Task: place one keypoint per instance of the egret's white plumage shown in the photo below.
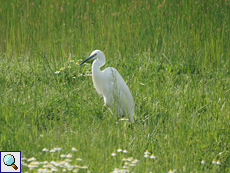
(112, 86)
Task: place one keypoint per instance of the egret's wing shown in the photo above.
(120, 92)
(120, 86)
(121, 83)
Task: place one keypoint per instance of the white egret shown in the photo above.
(112, 86)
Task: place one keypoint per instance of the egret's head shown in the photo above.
(95, 54)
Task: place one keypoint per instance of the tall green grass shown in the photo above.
(173, 55)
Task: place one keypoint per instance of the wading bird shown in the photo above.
(112, 86)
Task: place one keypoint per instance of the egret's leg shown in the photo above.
(119, 111)
(107, 101)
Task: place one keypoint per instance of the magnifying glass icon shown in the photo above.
(9, 160)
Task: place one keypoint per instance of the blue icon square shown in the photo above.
(10, 161)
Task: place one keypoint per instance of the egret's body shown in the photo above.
(112, 86)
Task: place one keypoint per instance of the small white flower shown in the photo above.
(49, 165)
(113, 154)
(146, 155)
(45, 149)
(78, 63)
(214, 161)
(79, 75)
(45, 166)
(69, 66)
(153, 156)
(135, 161)
(147, 152)
(119, 150)
(65, 163)
(116, 170)
(32, 166)
(202, 161)
(71, 60)
(52, 162)
(54, 170)
(124, 167)
(25, 164)
(56, 72)
(56, 164)
(58, 148)
(35, 163)
(45, 162)
(31, 159)
(126, 163)
(69, 155)
(129, 159)
(79, 159)
(124, 159)
(52, 151)
(218, 162)
(73, 148)
(40, 170)
(70, 167)
(63, 155)
(64, 170)
(172, 171)
(68, 160)
(125, 151)
(132, 164)
(84, 167)
(62, 68)
(75, 170)
(23, 158)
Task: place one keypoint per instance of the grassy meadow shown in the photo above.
(173, 55)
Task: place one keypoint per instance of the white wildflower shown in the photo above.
(73, 148)
(119, 150)
(202, 161)
(45, 149)
(153, 156)
(113, 154)
(214, 161)
(125, 151)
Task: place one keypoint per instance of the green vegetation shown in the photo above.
(174, 56)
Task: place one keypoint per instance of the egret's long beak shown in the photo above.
(89, 58)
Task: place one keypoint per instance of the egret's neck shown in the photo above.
(97, 65)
